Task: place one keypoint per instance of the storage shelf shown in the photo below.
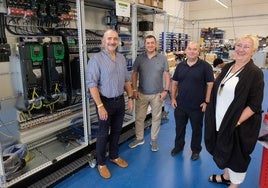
(45, 149)
(46, 155)
(144, 9)
(36, 133)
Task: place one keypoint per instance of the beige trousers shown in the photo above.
(141, 110)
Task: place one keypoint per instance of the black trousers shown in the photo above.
(196, 119)
(109, 130)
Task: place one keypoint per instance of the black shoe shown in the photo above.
(175, 151)
(263, 138)
(195, 156)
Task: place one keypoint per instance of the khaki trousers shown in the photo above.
(141, 110)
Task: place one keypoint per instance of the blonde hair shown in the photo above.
(254, 39)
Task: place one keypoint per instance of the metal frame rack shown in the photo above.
(146, 10)
(46, 153)
(41, 134)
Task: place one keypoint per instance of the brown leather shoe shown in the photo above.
(120, 162)
(104, 171)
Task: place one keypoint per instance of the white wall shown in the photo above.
(171, 21)
(242, 16)
(176, 11)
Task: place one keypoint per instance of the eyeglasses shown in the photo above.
(240, 45)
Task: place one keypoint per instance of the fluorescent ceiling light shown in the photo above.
(221, 3)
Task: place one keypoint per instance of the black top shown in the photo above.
(192, 83)
(231, 145)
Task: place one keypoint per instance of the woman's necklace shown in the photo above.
(226, 78)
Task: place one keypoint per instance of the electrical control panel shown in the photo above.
(54, 70)
(70, 39)
(32, 61)
(35, 17)
(125, 48)
(43, 75)
(44, 72)
(71, 59)
(45, 10)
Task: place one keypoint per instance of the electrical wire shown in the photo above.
(57, 90)
(34, 93)
(51, 105)
(232, 11)
(3, 32)
(1, 28)
(178, 17)
(94, 33)
(7, 23)
(4, 134)
(23, 117)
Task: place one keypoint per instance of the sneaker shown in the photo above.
(135, 143)
(154, 146)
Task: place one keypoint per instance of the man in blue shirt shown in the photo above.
(107, 78)
(151, 68)
(191, 87)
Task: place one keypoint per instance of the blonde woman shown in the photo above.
(233, 116)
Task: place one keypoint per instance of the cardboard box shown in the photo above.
(210, 57)
(144, 2)
(171, 58)
(172, 63)
(157, 3)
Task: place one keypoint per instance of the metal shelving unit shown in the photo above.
(45, 150)
(43, 144)
(146, 10)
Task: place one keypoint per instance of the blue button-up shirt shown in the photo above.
(106, 74)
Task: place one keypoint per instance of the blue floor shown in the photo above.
(149, 169)
(160, 169)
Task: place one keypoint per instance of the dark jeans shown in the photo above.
(116, 111)
(196, 119)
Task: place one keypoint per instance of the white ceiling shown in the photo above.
(207, 4)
